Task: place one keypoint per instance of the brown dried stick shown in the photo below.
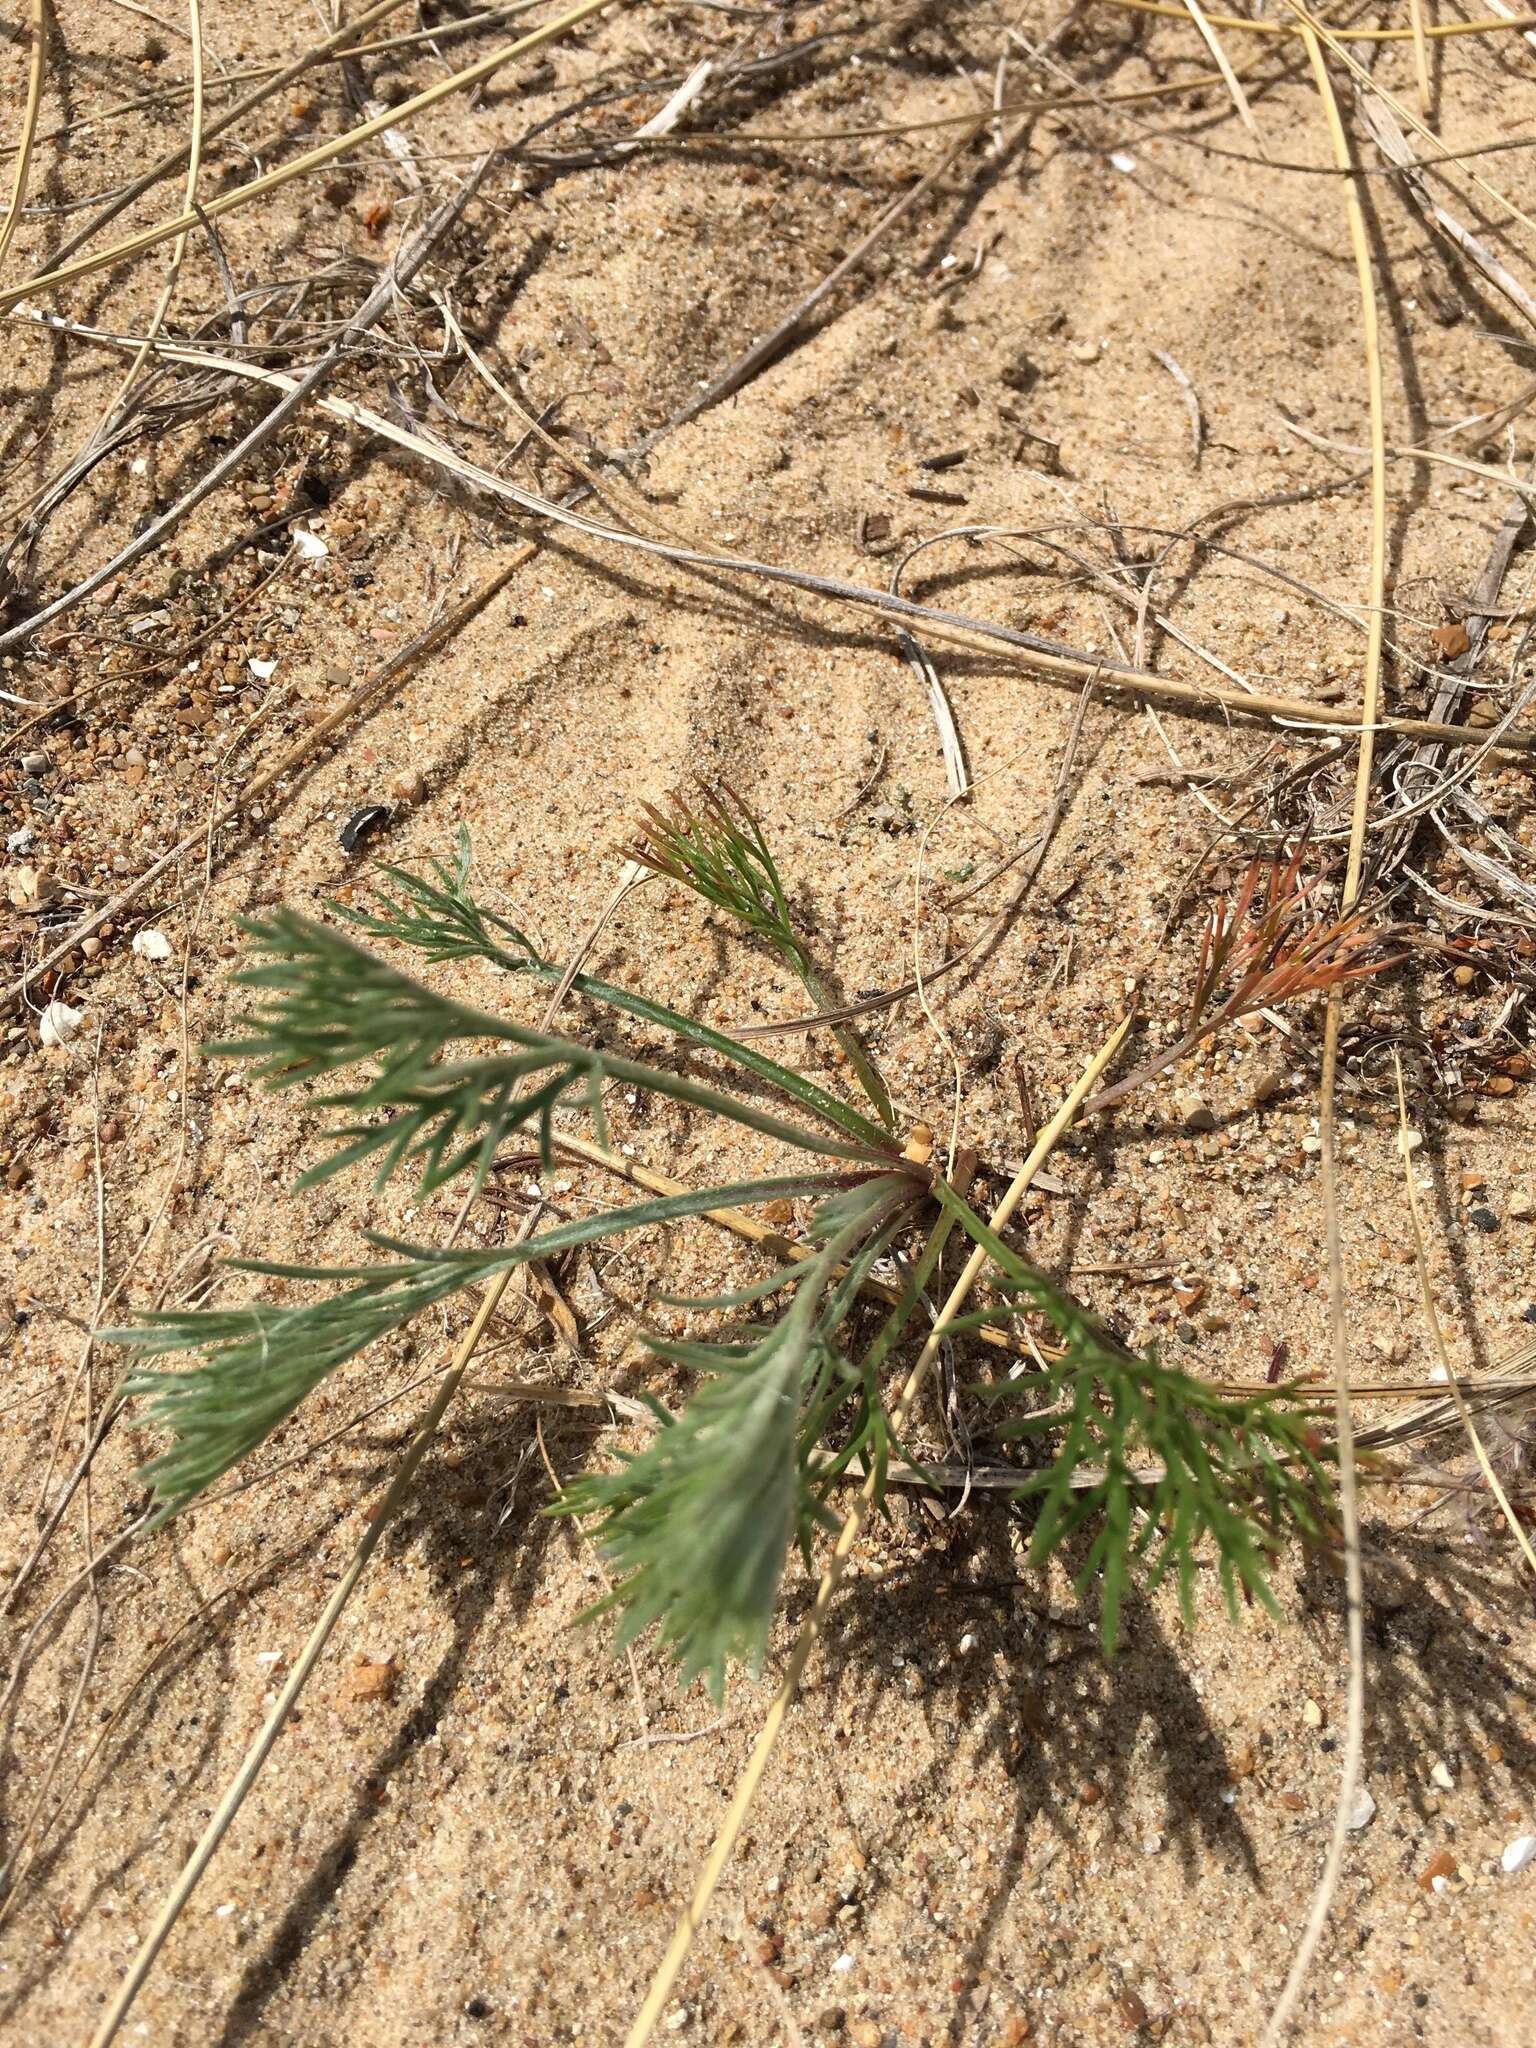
(1349, 1505)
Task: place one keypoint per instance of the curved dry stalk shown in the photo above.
(1349, 1500)
(23, 164)
(178, 247)
(270, 181)
(811, 1628)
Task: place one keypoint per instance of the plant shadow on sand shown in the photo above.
(1034, 1694)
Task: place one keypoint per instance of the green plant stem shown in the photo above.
(869, 1075)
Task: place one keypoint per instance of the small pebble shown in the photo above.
(35, 764)
(1522, 1205)
(677, 2019)
(1484, 1219)
(59, 1024)
(366, 819)
(1197, 1115)
(1440, 1774)
(1363, 1812)
(150, 944)
(1518, 1854)
(867, 2033)
(369, 1681)
(1435, 1872)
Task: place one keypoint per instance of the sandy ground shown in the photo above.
(974, 1830)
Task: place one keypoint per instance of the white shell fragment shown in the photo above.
(1517, 1854)
(309, 546)
(59, 1024)
(261, 670)
(150, 944)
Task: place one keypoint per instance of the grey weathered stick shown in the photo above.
(1048, 660)
(409, 260)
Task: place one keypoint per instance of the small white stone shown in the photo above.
(1123, 161)
(1152, 1845)
(1517, 1854)
(1312, 1713)
(261, 670)
(843, 1964)
(150, 944)
(1363, 1812)
(677, 2019)
(308, 546)
(1440, 1774)
(59, 1024)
